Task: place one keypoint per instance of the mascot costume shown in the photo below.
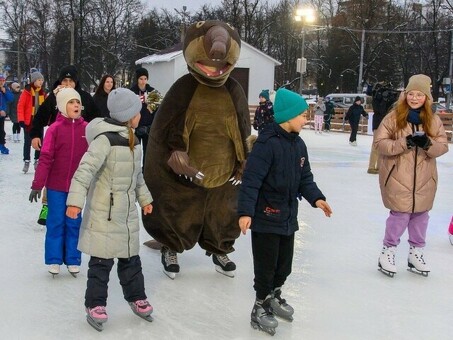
(196, 152)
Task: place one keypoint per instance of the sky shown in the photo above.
(335, 287)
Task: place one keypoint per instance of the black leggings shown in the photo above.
(354, 129)
(16, 128)
(129, 273)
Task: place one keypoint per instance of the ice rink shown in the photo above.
(335, 287)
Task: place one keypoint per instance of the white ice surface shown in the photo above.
(335, 287)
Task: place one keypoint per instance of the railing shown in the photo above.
(338, 123)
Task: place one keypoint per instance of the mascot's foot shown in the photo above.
(223, 264)
(153, 244)
(170, 262)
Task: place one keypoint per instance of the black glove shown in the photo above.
(422, 141)
(34, 195)
(410, 142)
(22, 125)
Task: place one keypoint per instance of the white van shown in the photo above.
(347, 99)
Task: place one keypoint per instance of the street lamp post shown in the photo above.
(304, 15)
(362, 49)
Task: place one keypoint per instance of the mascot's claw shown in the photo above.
(235, 181)
(198, 176)
(237, 177)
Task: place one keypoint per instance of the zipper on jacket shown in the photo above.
(415, 179)
(68, 177)
(390, 173)
(128, 206)
(110, 207)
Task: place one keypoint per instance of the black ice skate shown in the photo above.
(262, 317)
(280, 307)
(416, 262)
(223, 264)
(170, 261)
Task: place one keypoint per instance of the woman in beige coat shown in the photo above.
(409, 140)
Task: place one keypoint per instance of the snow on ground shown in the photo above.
(335, 287)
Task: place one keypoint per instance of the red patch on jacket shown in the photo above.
(271, 211)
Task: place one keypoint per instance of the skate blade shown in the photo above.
(386, 273)
(96, 325)
(223, 272)
(74, 274)
(414, 270)
(451, 239)
(171, 275)
(53, 275)
(268, 330)
(148, 318)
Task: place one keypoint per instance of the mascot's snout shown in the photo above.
(216, 42)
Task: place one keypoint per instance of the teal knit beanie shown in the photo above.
(264, 94)
(288, 105)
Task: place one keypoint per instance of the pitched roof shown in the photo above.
(173, 52)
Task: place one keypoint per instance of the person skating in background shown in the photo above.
(11, 111)
(63, 147)
(277, 174)
(383, 99)
(264, 113)
(353, 116)
(328, 114)
(409, 139)
(107, 183)
(6, 96)
(142, 89)
(106, 85)
(320, 109)
(47, 113)
(30, 100)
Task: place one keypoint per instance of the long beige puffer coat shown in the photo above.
(110, 178)
(408, 177)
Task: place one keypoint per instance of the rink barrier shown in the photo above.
(338, 124)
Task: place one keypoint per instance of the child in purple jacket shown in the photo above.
(63, 147)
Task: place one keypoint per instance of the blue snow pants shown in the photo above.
(62, 233)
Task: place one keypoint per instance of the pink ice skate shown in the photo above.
(142, 308)
(96, 316)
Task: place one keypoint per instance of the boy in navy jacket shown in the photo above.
(277, 174)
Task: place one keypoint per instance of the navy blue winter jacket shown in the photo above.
(277, 173)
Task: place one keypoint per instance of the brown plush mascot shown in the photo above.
(196, 151)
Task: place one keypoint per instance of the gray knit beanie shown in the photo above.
(35, 76)
(123, 104)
